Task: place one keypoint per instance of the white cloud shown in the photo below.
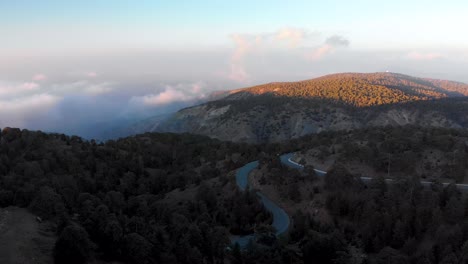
(424, 56)
(26, 103)
(15, 112)
(82, 87)
(172, 93)
(238, 73)
(39, 77)
(243, 44)
(337, 41)
(30, 86)
(250, 43)
(329, 47)
(168, 96)
(294, 36)
(96, 89)
(82, 74)
(320, 52)
(12, 90)
(21, 104)
(92, 74)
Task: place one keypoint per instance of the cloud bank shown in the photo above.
(179, 93)
(22, 102)
(19, 111)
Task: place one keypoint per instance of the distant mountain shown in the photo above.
(359, 89)
(284, 110)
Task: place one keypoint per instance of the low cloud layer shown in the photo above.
(21, 103)
(172, 94)
(82, 87)
(13, 90)
(18, 112)
(90, 106)
(180, 93)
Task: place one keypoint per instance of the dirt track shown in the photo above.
(23, 240)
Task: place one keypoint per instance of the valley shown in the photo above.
(121, 200)
(230, 195)
(233, 132)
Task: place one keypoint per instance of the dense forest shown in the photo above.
(429, 153)
(360, 90)
(107, 199)
(379, 222)
(341, 219)
(167, 198)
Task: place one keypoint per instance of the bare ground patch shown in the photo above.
(23, 240)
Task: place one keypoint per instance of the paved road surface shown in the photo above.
(287, 159)
(281, 220)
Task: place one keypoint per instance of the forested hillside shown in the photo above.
(359, 89)
(108, 200)
(282, 111)
(167, 198)
(345, 221)
(429, 153)
(341, 219)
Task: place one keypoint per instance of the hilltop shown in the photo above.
(284, 110)
(359, 89)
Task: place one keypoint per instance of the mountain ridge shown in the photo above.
(283, 110)
(383, 87)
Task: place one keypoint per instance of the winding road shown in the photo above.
(287, 159)
(281, 219)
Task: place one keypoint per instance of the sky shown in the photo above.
(70, 66)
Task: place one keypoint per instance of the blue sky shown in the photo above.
(128, 60)
(148, 24)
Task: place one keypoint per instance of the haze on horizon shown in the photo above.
(67, 66)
